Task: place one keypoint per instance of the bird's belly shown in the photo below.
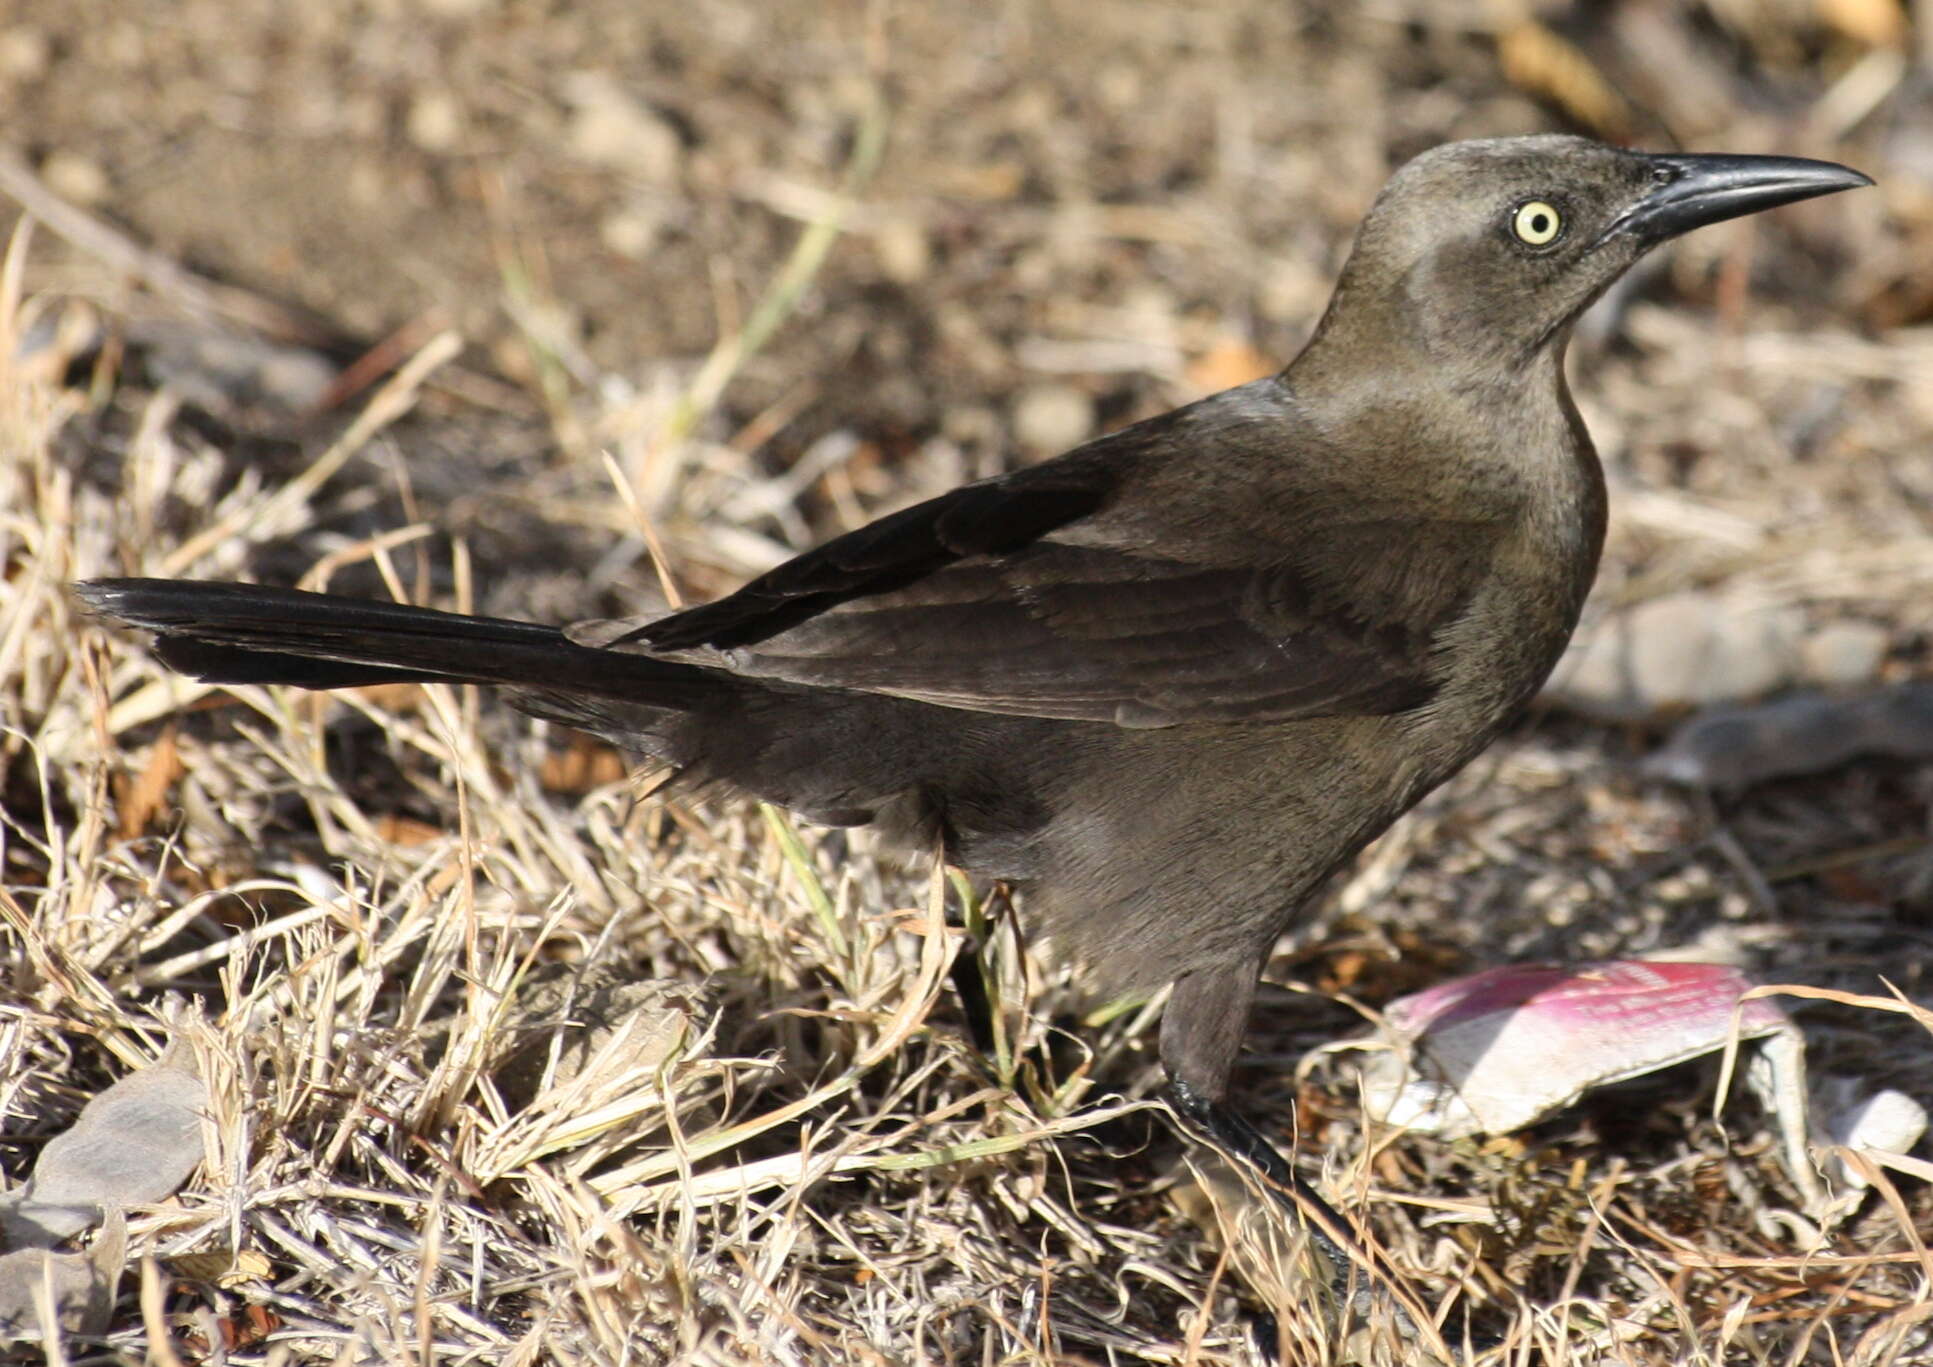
(1174, 850)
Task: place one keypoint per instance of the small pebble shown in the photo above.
(435, 121)
(294, 378)
(24, 54)
(1845, 654)
(74, 178)
(629, 233)
(1050, 418)
(609, 128)
(903, 252)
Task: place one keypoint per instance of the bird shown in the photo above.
(1165, 685)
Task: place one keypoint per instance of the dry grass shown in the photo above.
(509, 1063)
(401, 1130)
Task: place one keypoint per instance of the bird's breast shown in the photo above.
(1496, 654)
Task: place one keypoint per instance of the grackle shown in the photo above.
(1169, 682)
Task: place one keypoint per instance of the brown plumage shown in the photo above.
(1169, 682)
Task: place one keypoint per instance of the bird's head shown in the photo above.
(1485, 252)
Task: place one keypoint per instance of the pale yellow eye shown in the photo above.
(1537, 223)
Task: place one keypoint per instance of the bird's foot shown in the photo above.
(1229, 1133)
(1333, 1256)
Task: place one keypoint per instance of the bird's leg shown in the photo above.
(1229, 1133)
(1201, 1035)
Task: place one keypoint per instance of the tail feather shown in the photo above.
(247, 633)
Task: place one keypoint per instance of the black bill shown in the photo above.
(1694, 190)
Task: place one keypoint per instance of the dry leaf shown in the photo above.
(224, 1267)
(1876, 23)
(1537, 60)
(588, 764)
(594, 1018)
(1809, 733)
(1228, 363)
(142, 797)
(254, 1324)
(406, 831)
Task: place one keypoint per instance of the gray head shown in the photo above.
(1486, 251)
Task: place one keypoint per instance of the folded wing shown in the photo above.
(1040, 594)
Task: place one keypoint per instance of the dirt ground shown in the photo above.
(728, 278)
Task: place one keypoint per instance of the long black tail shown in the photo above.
(245, 633)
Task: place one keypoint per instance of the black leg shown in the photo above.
(1201, 1035)
(1229, 1133)
(1354, 1292)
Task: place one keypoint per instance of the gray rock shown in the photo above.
(1845, 654)
(132, 1145)
(1736, 747)
(1681, 651)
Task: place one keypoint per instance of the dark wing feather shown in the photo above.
(1091, 634)
(978, 519)
(1197, 567)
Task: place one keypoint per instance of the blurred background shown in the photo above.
(1054, 218)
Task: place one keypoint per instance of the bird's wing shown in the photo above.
(1086, 590)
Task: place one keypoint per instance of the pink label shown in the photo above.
(1627, 994)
